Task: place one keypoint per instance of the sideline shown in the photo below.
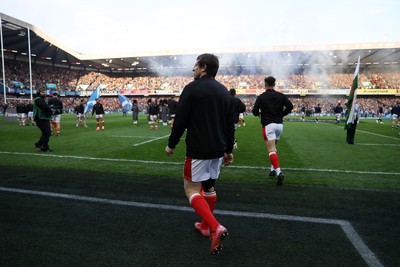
(152, 140)
(380, 135)
(368, 256)
(131, 136)
(367, 144)
(180, 163)
(362, 131)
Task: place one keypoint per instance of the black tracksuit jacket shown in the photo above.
(98, 109)
(238, 107)
(274, 106)
(205, 109)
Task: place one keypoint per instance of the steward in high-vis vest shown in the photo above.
(42, 115)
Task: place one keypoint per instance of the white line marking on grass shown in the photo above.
(342, 171)
(92, 158)
(366, 144)
(155, 139)
(380, 135)
(181, 163)
(362, 131)
(131, 136)
(319, 170)
(368, 256)
(358, 243)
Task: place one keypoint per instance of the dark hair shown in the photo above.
(232, 92)
(209, 61)
(270, 81)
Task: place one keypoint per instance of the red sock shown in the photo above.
(211, 198)
(273, 158)
(102, 123)
(201, 207)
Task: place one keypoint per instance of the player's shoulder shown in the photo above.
(193, 83)
(278, 93)
(266, 93)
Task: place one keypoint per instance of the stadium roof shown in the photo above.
(46, 50)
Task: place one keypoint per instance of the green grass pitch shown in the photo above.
(325, 179)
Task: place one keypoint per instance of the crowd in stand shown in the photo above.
(17, 75)
(368, 105)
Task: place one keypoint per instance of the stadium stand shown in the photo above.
(309, 75)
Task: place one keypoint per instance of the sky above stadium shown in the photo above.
(104, 26)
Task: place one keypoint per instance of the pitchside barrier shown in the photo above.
(10, 115)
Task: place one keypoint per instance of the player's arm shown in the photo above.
(182, 116)
(288, 106)
(256, 108)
